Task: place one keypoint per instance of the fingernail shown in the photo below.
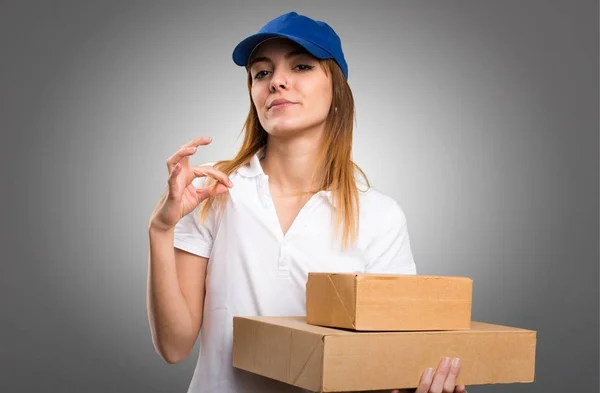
(446, 362)
(456, 362)
(428, 373)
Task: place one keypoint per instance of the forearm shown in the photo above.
(168, 313)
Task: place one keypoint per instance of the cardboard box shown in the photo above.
(388, 302)
(324, 359)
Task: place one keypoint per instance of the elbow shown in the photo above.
(171, 355)
(173, 358)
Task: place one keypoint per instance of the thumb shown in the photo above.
(219, 189)
(211, 191)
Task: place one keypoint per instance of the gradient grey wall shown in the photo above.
(479, 117)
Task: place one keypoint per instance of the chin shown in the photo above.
(282, 128)
(289, 127)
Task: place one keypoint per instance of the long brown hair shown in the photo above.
(334, 171)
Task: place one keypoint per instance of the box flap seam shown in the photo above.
(342, 302)
(305, 364)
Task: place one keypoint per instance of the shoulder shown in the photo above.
(379, 213)
(374, 203)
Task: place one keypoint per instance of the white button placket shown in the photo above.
(283, 268)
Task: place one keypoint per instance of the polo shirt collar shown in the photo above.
(254, 169)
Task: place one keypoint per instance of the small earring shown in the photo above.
(335, 109)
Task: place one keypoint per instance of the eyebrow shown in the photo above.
(287, 56)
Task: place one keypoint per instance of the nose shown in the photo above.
(279, 80)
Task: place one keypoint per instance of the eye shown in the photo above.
(304, 67)
(260, 74)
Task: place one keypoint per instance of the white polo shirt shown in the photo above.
(254, 269)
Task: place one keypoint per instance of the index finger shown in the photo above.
(203, 140)
(450, 382)
(440, 375)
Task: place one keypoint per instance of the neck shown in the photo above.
(289, 162)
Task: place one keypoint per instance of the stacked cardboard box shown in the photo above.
(373, 332)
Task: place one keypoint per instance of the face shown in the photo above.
(290, 90)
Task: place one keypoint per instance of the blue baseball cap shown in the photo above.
(317, 37)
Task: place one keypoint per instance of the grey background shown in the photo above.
(479, 117)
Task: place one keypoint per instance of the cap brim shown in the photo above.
(244, 49)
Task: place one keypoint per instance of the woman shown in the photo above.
(289, 203)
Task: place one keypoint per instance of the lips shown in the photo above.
(279, 103)
(281, 106)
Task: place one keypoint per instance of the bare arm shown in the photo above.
(175, 296)
(175, 287)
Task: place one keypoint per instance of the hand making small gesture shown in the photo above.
(181, 196)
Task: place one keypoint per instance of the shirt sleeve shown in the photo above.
(390, 252)
(191, 234)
